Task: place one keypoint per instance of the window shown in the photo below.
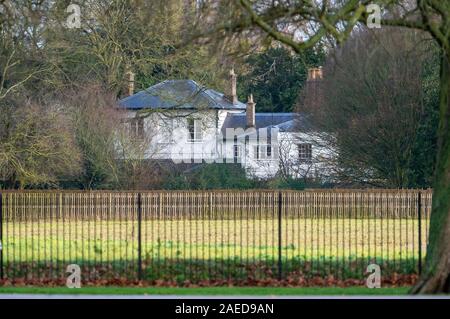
(305, 152)
(137, 127)
(269, 151)
(195, 130)
(237, 151)
(263, 152)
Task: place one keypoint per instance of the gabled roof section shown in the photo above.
(178, 94)
(283, 122)
(299, 123)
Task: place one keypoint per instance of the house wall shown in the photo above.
(167, 135)
(292, 165)
(167, 138)
(285, 157)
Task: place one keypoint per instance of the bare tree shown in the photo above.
(120, 35)
(141, 141)
(37, 147)
(21, 56)
(119, 147)
(96, 120)
(371, 106)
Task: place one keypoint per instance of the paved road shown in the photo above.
(64, 296)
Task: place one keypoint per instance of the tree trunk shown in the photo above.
(436, 274)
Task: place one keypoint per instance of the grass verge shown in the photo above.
(257, 291)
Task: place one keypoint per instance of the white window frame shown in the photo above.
(195, 136)
(261, 152)
(237, 151)
(305, 152)
(137, 127)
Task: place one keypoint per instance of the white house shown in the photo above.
(182, 121)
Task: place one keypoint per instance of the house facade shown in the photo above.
(182, 121)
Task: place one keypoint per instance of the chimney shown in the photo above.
(315, 74)
(313, 97)
(250, 112)
(130, 83)
(231, 94)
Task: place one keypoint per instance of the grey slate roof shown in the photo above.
(261, 119)
(185, 94)
(299, 123)
(283, 121)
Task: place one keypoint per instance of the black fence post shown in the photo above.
(1, 236)
(419, 216)
(280, 262)
(139, 236)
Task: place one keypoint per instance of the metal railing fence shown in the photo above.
(200, 236)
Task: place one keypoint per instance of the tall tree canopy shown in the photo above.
(42, 60)
(275, 77)
(377, 109)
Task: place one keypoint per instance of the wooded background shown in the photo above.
(58, 87)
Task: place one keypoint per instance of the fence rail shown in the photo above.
(212, 235)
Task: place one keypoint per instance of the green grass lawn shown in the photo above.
(211, 249)
(260, 291)
(211, 239)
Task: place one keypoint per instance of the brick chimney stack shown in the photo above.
(315, 74)
(250, 112)
(231, 93)
(314, 91)
(130, 83)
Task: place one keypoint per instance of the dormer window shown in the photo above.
(194, 130)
